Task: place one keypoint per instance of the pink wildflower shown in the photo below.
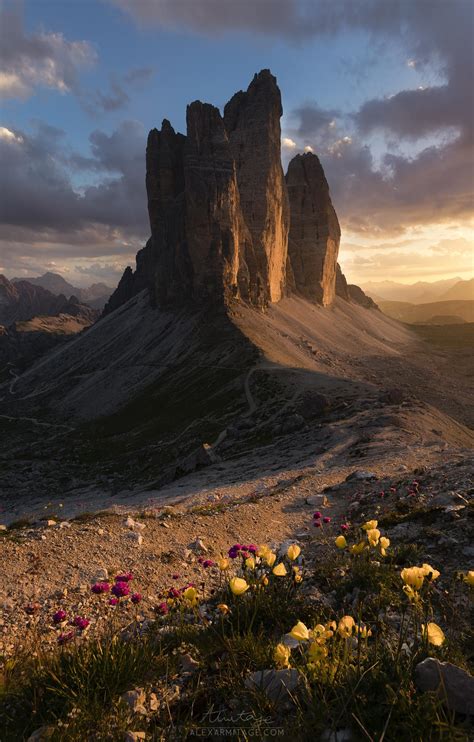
(120, 589)
(59, 616)
(136, 598)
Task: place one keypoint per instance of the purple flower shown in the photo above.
(124, 578)
(113, 601)
(317, 524)
(120, 589)
(176, 577)
(326, 519)
(208, 563)
(100, 587)
(65, 638)
(233, 553)
(59, 616)
(317, 514)
(173, 592)
(81, 623)
(252, 548)
(136, 598)
(162, 608)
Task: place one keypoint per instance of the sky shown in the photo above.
(380, 90)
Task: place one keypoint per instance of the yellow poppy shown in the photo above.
(223, 563)
(279, 570)
(433, 633)
(317, 652)
(430, 572)
(223, 608)
(238, 586)
(373, 536)
(191, 595)
(358, 548)
(250, 563)
(270, 558)
(346, 626)
(413, 576)
(469, 578)
(341, 542)
(370, 524)
(293, 552)
(300, 632)
(281, 655)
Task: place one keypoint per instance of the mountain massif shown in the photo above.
(226, 223)
(95, 295)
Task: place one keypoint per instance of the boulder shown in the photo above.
(278, 685)
(452, 685)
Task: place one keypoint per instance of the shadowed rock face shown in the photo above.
(314, 232)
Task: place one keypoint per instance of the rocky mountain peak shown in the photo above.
(225, 223)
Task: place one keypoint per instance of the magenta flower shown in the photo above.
(393, 489)
(136, 598)
(113, 601)
(59, 616)
(252, 548)
(124, 578)
(173, 592)
(100, 587)
(162, 608)
(344, 527)
(317, 524)
(326, 519)
(317, 514)
(120, 589)
(81, 623)
(208, 563)
(176, 577)
(65, 638)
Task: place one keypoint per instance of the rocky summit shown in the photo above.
(225, 222)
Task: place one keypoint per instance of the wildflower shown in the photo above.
(263, 550)
(223, 608)
(317, 652)
(264, 580)
(331, 626)
(208, 563)
(279, 570)
(433, 634)
(363, 631)
(321, 633)
(223, 563)
(238, 586)
(281, 655)
(369, 525)
(136, 598)
(270, 558)
(81, 623)
(250, 562)
(300, 632)
(253, 548)
(344, 527)
(191, 595)
(317, 515)
(293, 552)
(327, 519)
(173, 592)
(413, 576)
(317, 524)
(124, 578)
(341, 542)
(469, 578)
(384, 543)
(298, 578)
(358, 548)
(100, 587)
(373, 535)
(233, 552)
(65, 638)
(346, 626)
(120, 589)
(411, 594)
(162, 608)
(59, 617)
(429, 572)
(113, 601)
(175, 577)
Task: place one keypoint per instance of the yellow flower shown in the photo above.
(298, 578)
(370, 524)
(250, 563)
(429, 572)
(469, 578)
(238, 585)
(384, 543)
(300, 632)
(413, 576)
(411, 594)
(331, 626)
(346, 626)
(279, 570)
(341, 542)
(223, 563)
(270, 558)
(373, 536)
(358, 548)
(263, 550)
(433, 633)
(191, 595)
(320, 633)
(317, 652)
(264, 580)
(363, 631)
(281, 655)
(223, 608)
(293, 552)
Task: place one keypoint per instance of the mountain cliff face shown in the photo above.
(225, 222)
(23, 300)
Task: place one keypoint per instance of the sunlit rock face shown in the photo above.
(314, 232)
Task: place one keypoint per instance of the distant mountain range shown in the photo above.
(453, 312)
(421, 292)
(95, 295)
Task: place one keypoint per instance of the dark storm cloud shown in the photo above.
(41, 59)
(118, 94)
(38, 193)
(313, 121)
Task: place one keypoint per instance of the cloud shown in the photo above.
(30, 61)
(118, 94)
(288, 143)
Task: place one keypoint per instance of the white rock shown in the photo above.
(198, 546)
(50, 523)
